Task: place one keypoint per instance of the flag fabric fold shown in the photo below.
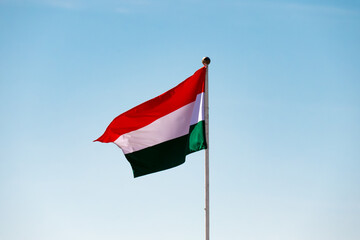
(158, 134)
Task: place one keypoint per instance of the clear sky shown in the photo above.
(284, 118)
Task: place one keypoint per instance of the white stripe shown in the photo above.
(172, 125)
(198, 112)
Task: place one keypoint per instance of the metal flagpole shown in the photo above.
(206, 62)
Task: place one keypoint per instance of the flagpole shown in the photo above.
(206, 62)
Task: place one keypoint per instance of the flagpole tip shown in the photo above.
(206, 61)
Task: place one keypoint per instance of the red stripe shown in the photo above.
(149, 111)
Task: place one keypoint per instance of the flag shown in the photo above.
(158, 134)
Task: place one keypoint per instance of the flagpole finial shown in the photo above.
(206, 61)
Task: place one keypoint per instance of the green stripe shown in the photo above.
(168, 154)
(197, 139)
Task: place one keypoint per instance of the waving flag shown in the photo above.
(159, 133)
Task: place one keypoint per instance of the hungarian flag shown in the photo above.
(159, 133)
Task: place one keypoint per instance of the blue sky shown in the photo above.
(284, 118)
